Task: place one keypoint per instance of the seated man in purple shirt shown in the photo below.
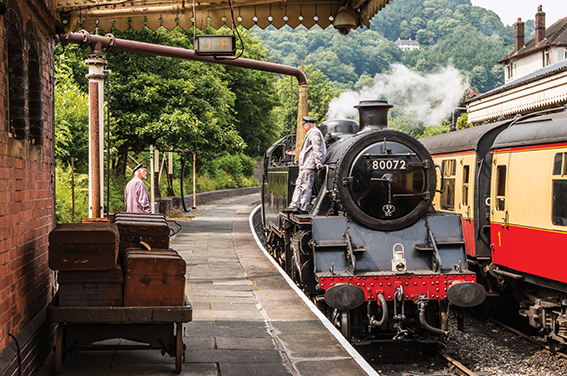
(135, 193)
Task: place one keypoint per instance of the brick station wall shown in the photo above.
(27, 194)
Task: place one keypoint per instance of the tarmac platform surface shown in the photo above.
(247, 320)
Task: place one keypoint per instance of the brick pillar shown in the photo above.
(96, 63)
(539, 25)
(518, 35)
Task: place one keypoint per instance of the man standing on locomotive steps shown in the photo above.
(135, 193)
(311, 158)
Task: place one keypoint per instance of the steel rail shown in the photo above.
(526, 337)
(458, 365)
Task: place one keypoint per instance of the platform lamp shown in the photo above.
(215, 45)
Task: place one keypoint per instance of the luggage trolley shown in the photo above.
(158, 327)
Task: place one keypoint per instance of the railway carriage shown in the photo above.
(370, 252)
(466, 165)
(528, 214)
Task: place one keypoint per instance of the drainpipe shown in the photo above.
(108, 42)
(96, 62)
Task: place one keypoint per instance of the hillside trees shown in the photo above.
(451, 32)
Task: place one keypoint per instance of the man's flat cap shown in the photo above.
(309, 119)
(138, 167)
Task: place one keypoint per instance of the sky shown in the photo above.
(510, 10)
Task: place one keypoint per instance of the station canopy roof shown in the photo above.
(122, 14)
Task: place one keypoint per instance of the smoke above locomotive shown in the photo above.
(371, 251)
(426, 98)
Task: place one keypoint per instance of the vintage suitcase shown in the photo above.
(84, 246)
(153, 278)
(147, 233)
(91, 288)
(124, 214)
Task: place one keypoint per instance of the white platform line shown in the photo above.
(330, 327)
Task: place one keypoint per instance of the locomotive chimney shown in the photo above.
(539, 25)
(518, 35)
(373, 115)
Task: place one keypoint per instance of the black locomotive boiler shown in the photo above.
(371, 252)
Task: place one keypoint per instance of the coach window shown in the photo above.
(448, 195)
(559, 187)
(501, 188)
(465, 198)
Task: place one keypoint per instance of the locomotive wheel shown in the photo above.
(179, 348)
(59, 348)
(345, 324)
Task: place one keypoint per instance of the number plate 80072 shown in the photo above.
(388, 164)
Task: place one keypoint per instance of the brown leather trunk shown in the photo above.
(84, 246)
(91, 288)
(139, 232)
(153, 278)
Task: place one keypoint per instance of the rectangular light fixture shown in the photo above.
(215, 45)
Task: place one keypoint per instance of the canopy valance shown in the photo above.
(122, 14)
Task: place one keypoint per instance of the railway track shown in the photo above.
(455, 366)
(541, 344)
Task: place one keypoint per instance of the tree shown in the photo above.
(255, 98)
(479, 79)
(149, 92)
(328, 61)
(462, 121)
(71, 117)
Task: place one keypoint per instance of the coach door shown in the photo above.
(499, 189)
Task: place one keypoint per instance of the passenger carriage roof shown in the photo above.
(545, 129)
(465, 139)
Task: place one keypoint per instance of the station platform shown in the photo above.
(247, 319)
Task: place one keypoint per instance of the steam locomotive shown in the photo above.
(508, 180)
(370, 253)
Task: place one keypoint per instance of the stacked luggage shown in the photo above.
(126, 262)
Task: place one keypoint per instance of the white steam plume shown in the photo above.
(428, 98)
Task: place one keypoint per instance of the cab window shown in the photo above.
(448, 195)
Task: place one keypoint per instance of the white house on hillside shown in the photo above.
(407, 45)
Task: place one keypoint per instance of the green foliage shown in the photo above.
(434, 130)
(70, 62)
(149, 94)
(71, 119)
(462, 121)
(64, 195)
(185, 130)
(407, 125)
(232, 170)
